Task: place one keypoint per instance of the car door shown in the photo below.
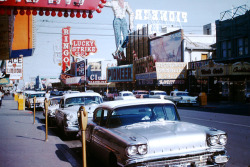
(100, 135)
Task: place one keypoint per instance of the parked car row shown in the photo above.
(178, 97)
(139, 131)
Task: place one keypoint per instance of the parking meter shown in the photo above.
(82, 118)
(46, 105)
(34, 100)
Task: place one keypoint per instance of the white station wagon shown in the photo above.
(66, 115)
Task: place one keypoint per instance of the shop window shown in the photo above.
(203, 56)
(229, 49)
(224, 49)
(240, 46)
(246, 46)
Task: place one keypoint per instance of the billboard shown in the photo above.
(168, 48)
(14, 67)
(173, 70)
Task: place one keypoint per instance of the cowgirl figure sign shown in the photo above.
(120, 8)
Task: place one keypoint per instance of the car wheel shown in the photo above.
(112, 160)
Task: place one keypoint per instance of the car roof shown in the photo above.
(132, 102)
(125, 92)
(81, 94)
(157, 91)
(179, 91)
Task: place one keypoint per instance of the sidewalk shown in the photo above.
(22, 143)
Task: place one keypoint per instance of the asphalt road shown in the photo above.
(236, 126)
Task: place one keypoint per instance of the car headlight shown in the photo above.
(132, 150)
(142, 149)
(213, 140)
(223, 139)
(69, 116)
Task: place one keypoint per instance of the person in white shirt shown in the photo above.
(120, 8)
(47, 95)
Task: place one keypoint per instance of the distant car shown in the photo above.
(27, 92)
(40, 97)
(56, 93)
(182, 97)
(124, 95)
(149, 132)
(157, 94)
(140, 93)
(53, 105)
(66, 115)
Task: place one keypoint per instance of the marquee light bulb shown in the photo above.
(34, 12)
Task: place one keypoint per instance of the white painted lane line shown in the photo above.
(247, 126)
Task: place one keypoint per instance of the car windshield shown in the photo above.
(182, 94)
(55, 101)
(142, 93)
(143, 113)
(82, 100)
(160, 93)
(37, 95)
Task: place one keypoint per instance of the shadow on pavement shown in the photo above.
(64, 153)
(29, 138)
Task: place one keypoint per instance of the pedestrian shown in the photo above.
(47, 95)
(1, 97)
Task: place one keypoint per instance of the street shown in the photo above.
(237, 128)
(21, 136)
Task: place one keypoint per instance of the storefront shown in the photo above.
(221, 81)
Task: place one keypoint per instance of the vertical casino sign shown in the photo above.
(65, 49)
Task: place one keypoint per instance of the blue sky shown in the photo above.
(100, 28)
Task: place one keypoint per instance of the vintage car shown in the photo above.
(125, 95)
(149, 132)
(182, 97)
(53, 105)
(157, 94)
(140, 93)
(40, 97)
(66, 115)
